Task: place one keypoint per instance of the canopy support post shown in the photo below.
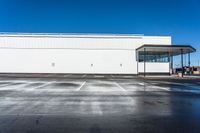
(189, 63)
(144, 62)
(137, 58)
(172, 64)
(182, 62)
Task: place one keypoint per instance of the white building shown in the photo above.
(86, 53)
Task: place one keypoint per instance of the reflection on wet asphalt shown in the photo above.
(99, 104)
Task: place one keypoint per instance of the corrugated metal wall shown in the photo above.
(77, 54)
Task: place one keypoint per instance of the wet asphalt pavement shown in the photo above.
(99, 104)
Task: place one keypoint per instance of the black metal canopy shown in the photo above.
(173, 50)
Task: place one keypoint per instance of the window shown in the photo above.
(154, 56)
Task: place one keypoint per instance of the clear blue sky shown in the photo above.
(177, 18)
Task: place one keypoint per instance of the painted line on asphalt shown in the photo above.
(153, 86)
(117, 84)
(13, 87)
(5, 85)
(15, 81)
(128, 76)
(99, 76)
(142, 84)
(43, 85)
(79, 88)
(161, 88)
(83, 76)
(67, 75)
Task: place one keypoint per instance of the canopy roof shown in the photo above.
(173, 50)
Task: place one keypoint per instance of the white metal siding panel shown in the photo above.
(154, 67)
(33, 54)
(78, 43)
(67, 61)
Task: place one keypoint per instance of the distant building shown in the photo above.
(88, 53)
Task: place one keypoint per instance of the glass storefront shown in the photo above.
(153, 56)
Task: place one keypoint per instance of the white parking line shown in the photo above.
(79, 88)
(43, 85)
(67, 75)
(119, 86)
(158, 87)
(112, 76)
(15, 81)
(128, 76)
(99, 76)
(5, 85)
(83, 76)
(13, 87)
(151, 85)
(162, 88)
(141, 84)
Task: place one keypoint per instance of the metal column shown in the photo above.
(182, 62)
(172, 63)
(137, 59)
(189, 63)
(144, 62)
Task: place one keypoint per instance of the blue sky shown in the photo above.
(177, 18)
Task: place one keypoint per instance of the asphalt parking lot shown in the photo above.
(99, 104)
